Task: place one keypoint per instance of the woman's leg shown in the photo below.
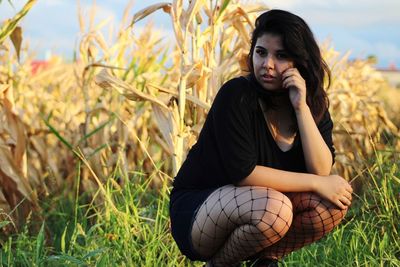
(314, 217)
(235, 223)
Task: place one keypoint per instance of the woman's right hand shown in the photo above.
(335, 189)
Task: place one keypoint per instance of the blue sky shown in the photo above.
(363, 27)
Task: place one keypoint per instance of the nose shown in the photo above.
(268, 62)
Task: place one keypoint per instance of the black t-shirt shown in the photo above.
(235, 138)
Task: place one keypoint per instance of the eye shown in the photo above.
(282, 55)
(261, 52)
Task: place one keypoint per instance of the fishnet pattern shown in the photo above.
(314, 217)
(239, 223)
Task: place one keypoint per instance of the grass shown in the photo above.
(79, 232)
(370, 234)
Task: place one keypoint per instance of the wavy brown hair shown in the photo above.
(301, 46)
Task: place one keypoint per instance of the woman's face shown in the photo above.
(270, 60)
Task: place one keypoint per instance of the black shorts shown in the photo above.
(183, 208)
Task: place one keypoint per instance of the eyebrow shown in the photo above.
(278, 51)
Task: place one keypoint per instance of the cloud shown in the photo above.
(362, 26)
(356, 13)
(386, 51)
(59, 31)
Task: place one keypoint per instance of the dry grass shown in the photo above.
(362, 124)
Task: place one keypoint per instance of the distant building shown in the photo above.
(392, 75)
(38, 65)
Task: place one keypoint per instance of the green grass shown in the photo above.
(79, 231)
(369, 236)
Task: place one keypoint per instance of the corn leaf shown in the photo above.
(8, 27)
(16, 38)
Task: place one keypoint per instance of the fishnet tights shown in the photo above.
(238, 223)
(313, 218)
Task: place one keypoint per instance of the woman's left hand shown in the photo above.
(292, 80)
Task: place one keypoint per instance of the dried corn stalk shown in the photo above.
(15, 185)
(359, 116)
(16, 194)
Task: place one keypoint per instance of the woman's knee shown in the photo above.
(276, 216)
(317, 214)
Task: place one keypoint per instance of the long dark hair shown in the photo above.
(300, 44)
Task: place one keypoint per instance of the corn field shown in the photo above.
(137, 105)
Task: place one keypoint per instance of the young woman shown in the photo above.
(257, 184)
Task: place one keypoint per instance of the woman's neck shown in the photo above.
(281, 101)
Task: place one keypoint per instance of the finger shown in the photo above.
(340, 205)
(289, 85)
(349, 188)
(292, 83)
(296, 78)
(286, 78)
(291, 72)
(287, 72)
(344, 200)
(348, 195)
(291, 69)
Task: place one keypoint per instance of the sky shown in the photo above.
(361, 27)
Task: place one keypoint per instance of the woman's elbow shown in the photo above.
(320, 167)
(320, 170)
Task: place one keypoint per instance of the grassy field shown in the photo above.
(136, 233)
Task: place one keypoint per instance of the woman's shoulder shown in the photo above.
(237, 88)
(239, 84)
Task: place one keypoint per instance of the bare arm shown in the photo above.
(333, 187)
(317, 155)
(286, 182)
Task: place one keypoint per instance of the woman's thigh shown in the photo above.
(183, 206)
(230, 207)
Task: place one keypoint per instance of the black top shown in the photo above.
(235, 138)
